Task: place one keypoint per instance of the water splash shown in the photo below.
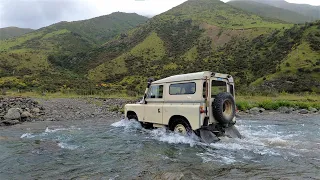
(67, 146)
(160, 134)
(27, 135)
(61, 129)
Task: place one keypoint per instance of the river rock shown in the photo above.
(9, 122)
(26, 114)
(170, 176)
(313, 110)
(254, 111)
(36, 110)
(303, 111)
(13, 113)
(285, 110)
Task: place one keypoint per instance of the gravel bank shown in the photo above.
(60, 109)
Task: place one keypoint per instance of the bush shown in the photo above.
(243, 105)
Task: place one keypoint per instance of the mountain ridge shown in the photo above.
(270, 11)
(12, 31)
(304, 9)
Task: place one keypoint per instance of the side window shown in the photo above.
(204, 89)
(183, 88)
(218, 87)
(155, 92)
(231, 90)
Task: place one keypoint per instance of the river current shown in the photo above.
(105, 149)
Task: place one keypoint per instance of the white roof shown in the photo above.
(185, 77)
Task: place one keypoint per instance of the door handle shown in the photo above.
(158, 110)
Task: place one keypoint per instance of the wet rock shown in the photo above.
(26, 114)
(12, 114)
(313, 110)
(9, 122)
(292, 109)
(285, 110)
(262, 110)
(36, 110)
(169, 176)
(303, 111)
(254, 111)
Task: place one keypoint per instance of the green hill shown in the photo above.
(271, 11)
(263, 54)
(9, 32)
(304, 9)
(208, 35)
(28, 54)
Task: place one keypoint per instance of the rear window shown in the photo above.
(218, 87)
(182, 88)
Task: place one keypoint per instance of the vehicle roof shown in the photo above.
(185, 77)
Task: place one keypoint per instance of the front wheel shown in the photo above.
(132, 116)
(181, 126)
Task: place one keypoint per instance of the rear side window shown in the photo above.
(182, 88)
(218, 87)
(155, 92)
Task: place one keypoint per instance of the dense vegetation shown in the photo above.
(264, 54)
(39, 55)
(9, 32)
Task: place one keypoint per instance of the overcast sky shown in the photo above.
(39, 13)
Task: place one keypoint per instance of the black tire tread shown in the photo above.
(217, 107)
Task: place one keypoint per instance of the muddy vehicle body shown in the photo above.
(202, 102)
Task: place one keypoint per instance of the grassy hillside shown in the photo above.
(265, 10)
(198, 35)
(9, 32)
(305, 9)
(33, 53)
(191, 37)
(104, 28)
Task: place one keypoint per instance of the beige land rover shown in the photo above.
(202, 102)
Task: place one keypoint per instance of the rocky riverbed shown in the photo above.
(15, 110)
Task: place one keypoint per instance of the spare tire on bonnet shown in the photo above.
(224, 108)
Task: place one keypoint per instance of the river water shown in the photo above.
(105, 149)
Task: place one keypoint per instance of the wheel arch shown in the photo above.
(131, 113)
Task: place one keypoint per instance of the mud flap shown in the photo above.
(207, 136)
(232, 132)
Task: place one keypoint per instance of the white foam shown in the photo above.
(67, 146)
(127, 123)
(60, 129)
(160, 134)
(163, 135)
(264, 140)
(215, 157)
(27, 135)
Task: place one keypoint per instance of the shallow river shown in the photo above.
(100, 149)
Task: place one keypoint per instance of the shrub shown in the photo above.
(243, 105)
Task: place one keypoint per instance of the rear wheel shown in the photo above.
(181, 126)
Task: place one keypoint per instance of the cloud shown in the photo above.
(40, 13)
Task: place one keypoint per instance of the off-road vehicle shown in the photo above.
(202, 102)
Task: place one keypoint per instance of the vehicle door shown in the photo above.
(153, 110)
(218, 85)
